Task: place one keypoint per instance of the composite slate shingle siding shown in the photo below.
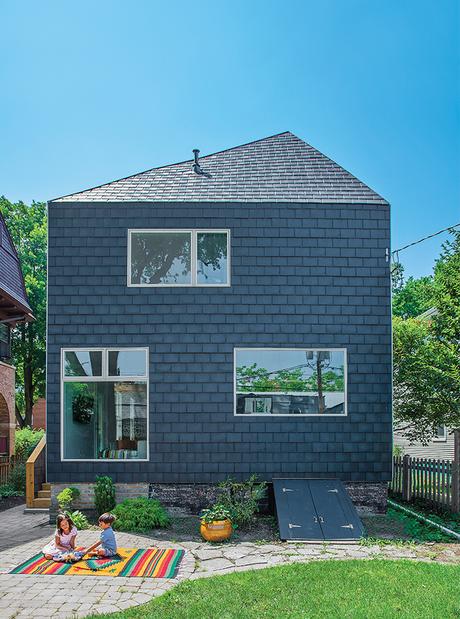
(303, 275)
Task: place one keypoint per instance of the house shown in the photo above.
(440, 447)
(223, 316)
(39, 414)
(14, 309)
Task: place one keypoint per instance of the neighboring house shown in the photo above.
(14, 308)
(221, 317)
(441, 446)
(39, 414)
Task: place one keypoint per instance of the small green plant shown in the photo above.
(66, 497)
(242, 499)
(104, 494)
(79, 519)
(17, 477)
(140, 515)
(25, 441)
(7, 490)
(216, 512)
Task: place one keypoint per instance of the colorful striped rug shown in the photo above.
(131, 562)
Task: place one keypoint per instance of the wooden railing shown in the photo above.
(35, 471)
(435, 482)
(5, 468)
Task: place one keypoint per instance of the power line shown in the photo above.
(425, 238)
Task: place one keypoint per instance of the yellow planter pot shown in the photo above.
(216, 531)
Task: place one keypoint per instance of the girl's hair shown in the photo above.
(107, 518)
(62, 517)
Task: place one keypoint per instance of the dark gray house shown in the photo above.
(221, 317)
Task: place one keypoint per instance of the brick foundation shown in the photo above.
(86, 499)
(190, 499)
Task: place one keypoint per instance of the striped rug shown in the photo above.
(131, 562)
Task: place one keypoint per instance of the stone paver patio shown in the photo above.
(24, 596)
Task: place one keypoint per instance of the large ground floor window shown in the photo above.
(105, 404)
(292, 381)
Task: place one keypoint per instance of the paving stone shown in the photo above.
(205, 554)
(252, 560)
(215, 565)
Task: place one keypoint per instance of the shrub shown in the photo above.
(7, 490)
(216, 512)
(25, 441)
(242, 499)
(79, 519)
(140, 515)
(17, 477)
(66, 497)
(104, 494)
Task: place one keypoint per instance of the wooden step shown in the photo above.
(42, 503)
(44, 494)
(46, 486)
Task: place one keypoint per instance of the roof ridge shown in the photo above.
(169, 165)
(281, 168)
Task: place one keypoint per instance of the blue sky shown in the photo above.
(92, 91)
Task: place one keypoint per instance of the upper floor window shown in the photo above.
(290, 381)
(178, 258)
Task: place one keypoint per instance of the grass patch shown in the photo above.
(356, 589)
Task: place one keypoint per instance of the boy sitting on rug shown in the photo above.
(64, 538)
(107, 542)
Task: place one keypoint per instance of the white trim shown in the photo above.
(292, 415)
(193, 258)
(104, 378)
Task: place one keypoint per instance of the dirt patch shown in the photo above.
(187, 529)
(11, 501)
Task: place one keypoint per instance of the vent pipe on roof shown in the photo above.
(196, 166)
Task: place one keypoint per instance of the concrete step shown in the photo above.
(46, 486)
(36, 510)
(42, 503)
(44, 494)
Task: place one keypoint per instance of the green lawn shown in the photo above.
(359, 589)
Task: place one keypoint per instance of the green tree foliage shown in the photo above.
(28, 227)
(411, 297)
(426, 355)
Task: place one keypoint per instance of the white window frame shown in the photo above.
(441, 439)
(193, 261)
(106, 379)
(290, 415)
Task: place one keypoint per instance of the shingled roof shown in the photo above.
(280, 168)
(14, 304)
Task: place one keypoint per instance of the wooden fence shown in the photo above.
(436, 482)
(5, 467)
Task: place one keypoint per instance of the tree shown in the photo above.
(426, 355)
(411, 297)
(27, 225)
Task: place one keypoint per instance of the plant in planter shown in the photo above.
(216, 523)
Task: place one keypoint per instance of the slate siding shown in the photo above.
(303, 275)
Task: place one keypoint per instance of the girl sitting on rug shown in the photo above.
(107, 542)
(64, 538)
